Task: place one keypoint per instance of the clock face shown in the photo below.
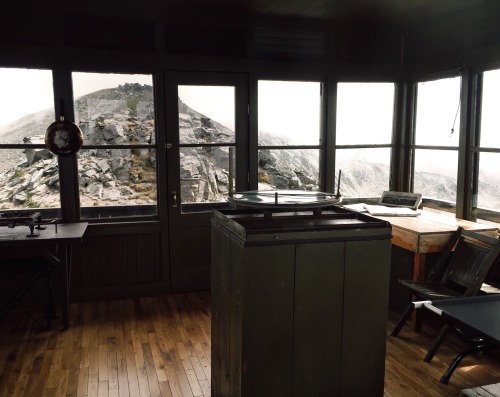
(63, 138)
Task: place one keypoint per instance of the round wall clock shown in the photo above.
(63, 138)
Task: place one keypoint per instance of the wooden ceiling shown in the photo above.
(430, 28)
(387, 12)
(341, 10)
(390, 13)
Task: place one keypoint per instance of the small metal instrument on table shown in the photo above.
(33, 220)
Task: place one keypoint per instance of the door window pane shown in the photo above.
(365, 172)
(29, 177)
(116, 110)
(364, 113)
(435, 174)
(289, 112)
(206, 174)
(206, 161)
(438, 112)
(490, 116)
(206, 114)
(289, 169)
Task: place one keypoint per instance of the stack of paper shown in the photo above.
(382, 210)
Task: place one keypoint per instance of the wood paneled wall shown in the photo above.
(114, 266)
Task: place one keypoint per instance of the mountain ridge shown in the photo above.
(125, 114)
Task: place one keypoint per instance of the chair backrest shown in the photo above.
(470, 261)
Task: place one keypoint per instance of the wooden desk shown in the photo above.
(429, 233)
(46, 244)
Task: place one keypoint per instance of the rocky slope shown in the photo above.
(125, 115)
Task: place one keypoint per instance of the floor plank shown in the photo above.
(161, 347)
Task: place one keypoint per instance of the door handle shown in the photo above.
(174, 198)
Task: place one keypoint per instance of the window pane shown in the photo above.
(27, 103)
(121, 178)
(435, 174)
(114, 109)
(489, 182)
(289, 169)
(364, 113)
(289, 113)
(206, 114)
(206, 175)
(29, 177)
(438, 111)
(490, 116)
(365, 172)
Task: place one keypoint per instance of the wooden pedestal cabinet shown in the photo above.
(299, 309)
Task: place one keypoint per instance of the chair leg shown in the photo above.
(436, 344)
(403, 319)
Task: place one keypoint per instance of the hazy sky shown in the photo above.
(85, 83)
(216, 102)
(24, 91)
(290, 109)
(284, 108)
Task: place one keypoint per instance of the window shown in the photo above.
(117, 163)
(289, 135)
(487, 200)
(436, 138)
(29, 173)
(207, 145)
(363, 137)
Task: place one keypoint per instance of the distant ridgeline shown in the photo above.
(125, 115)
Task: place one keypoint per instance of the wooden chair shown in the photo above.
(460, 271)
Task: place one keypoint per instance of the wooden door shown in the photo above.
(206, 144)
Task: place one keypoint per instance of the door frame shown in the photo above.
(188, 234)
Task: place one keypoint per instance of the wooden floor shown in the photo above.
(161, 347)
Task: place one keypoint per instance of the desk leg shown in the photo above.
(418, 274)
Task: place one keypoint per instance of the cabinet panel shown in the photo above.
(220, 258)
(319, 283)
(267, 335)
(366, 297)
